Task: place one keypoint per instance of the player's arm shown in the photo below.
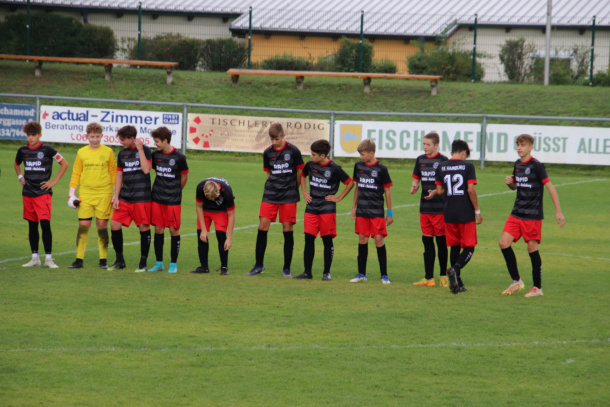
(388, 197)
(348, 187)
(63, 167)
(561, 220)
(472, 193)
(353, 214)
(19, 175)
(299, 175)
(118, 183)
(230, 227)
(414, 185)
(144, 162)
(303, 183)
(440, 188)
(183, 178)
(204, 232)
(77, 170)
(510, 182)
(112, 167)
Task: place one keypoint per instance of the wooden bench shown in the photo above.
(108, 63)
(366, 77)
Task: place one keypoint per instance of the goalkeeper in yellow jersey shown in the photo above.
(95, 171)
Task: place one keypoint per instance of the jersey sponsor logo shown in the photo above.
(33, 163)
(40, 155)
(132, 164)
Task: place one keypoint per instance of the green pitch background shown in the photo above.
(92, 337)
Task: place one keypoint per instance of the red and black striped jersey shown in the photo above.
(324, 180)
(371, 179)
(38, 167)
(425, 171)
(225, 201)
(282, 165)
(167, 188)
(455, 175)
(530, 177)
(136, 184)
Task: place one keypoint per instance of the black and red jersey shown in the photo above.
(425, 171)
(136, 184)
(455, 175)
(530, 177)
(167, 188)
(38, 167)
(282, 165)
(324, 180)
(371, 179)
(225, 201)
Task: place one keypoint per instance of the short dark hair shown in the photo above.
(276, 130)
(127, 132)
(162, 133)
(524, 138)
(460, 145)
(434, 137)
(32, 128)
(321, 147)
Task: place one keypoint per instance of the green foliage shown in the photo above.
(170, 47)
(518, 59)
(453, 64)
(602, 78)
(348, 57)
(55, 35)
(327, 64)
(560, 72)
(287, 62)
(385, 66)
(222, 54)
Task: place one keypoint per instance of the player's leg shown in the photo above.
(29, 214)
(221, 237)
(84, 224)
(427, 239)
(144, 246)
(175, 249)
(510, 259)
(267, 214)
(382, 257)
(102, 241)
(329, 251)
(362, 229)
(203, 248)
(158, 219)
(532, 248)
(116, 234)
(47, 242)
(441, 243)
(288, 213)
(308, 255)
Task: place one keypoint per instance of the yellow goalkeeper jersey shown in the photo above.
(95, 171)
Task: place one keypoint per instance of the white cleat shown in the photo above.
(50, 264)
(32, 263)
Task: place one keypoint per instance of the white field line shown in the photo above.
(346, 214)
(112, 349)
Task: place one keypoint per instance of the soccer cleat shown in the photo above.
(443, 281)
(535, 292)
(34, 262)
(118, 265)
(173, 268)
(453, 283)
(359, 277)
(158, 266)
(201, 270)
(50, 264)
(514, 287)
(326, 277)
(224, 271)
(426, 282)
(385, 280)
(255, 270)
(104, 264)
(286, 273)
(78, 264)
(303, 276)
(462, 289)
(140, 269)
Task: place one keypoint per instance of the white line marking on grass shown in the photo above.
(312, 347)
(344, 214)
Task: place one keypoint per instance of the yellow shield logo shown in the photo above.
(351, 135)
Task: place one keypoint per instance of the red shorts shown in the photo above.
(325, 223)
(288, 212)
(464, 234)
(432, 224)
(529, 229)
(220, 219)
(166, 215)
(138, 212)
(37, 208)
(370, 226)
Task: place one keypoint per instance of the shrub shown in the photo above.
(560, 72)
(518, 59)
(223, 54)
(287, 62)
(453, 64)
(170, 47)
(348, 58)
(602, 78)
(327, 64)
(101, 42)
(385, 66)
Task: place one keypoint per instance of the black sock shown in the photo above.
(224, 254)
(309, 252)
(175, 249)
(464, 257)
(33, 235)
(536, 268)
(144, 245)
(288, 248)
(363, 254)
(511, 263)
(159, 246)
(429, 256)
(329, 252)
(382, 256)
(47, 236)
(454, 254)
(261, 246)
(117, 243)
(443, 254)
(203, 249)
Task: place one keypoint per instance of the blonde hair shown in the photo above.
(524, 139)
(94, 128)
(367, 145)
(276, 130)
(211, 190)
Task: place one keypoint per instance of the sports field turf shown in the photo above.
(93, 337)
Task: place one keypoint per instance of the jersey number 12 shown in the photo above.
(454, 183)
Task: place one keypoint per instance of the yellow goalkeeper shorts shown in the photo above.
(98, 205)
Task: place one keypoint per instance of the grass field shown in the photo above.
(92, 337)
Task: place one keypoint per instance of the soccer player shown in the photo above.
(95, 171)
(372, 181)
(431, 218)
(214, 203)
(37, 159)
(132, 195)
(172, 174)
(283, 164)
(457, 179)
(528, 178)
(320, 212)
